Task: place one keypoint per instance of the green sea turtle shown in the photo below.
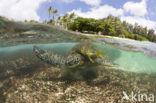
(81, 54)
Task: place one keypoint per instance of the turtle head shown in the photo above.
(74, 60)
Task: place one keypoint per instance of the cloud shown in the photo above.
(20, 10)
(88, 2)
(139, 10)
(135, 8)
(67, 1)
(99, 12)
(92, 2)
(141, 21)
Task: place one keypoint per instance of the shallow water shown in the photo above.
(25, 78)
(127, 60)
(131, 61)
(148, 48)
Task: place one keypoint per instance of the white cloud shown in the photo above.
(27, 9)
(99, 12)
(141, 21)
(92, 2)
(67, 1)
(20, 9)
(135, 8)
(88, 2)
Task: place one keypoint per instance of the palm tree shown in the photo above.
(59, 20)
(49, 10)
(54, 12)
(71, 16)
(65, 20)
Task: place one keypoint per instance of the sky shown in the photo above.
(142, 12)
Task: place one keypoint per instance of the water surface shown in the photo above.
(127, 60)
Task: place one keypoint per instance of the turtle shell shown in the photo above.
(88, 51)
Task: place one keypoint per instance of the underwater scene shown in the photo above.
(46, 64)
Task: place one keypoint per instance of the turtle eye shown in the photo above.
(73, 60)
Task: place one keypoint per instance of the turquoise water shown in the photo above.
(148, 48)
(127, 61)
(130, 61)
(136, 62)
(61, 48)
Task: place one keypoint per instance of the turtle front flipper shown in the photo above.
(105, 62)
(49, 57)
